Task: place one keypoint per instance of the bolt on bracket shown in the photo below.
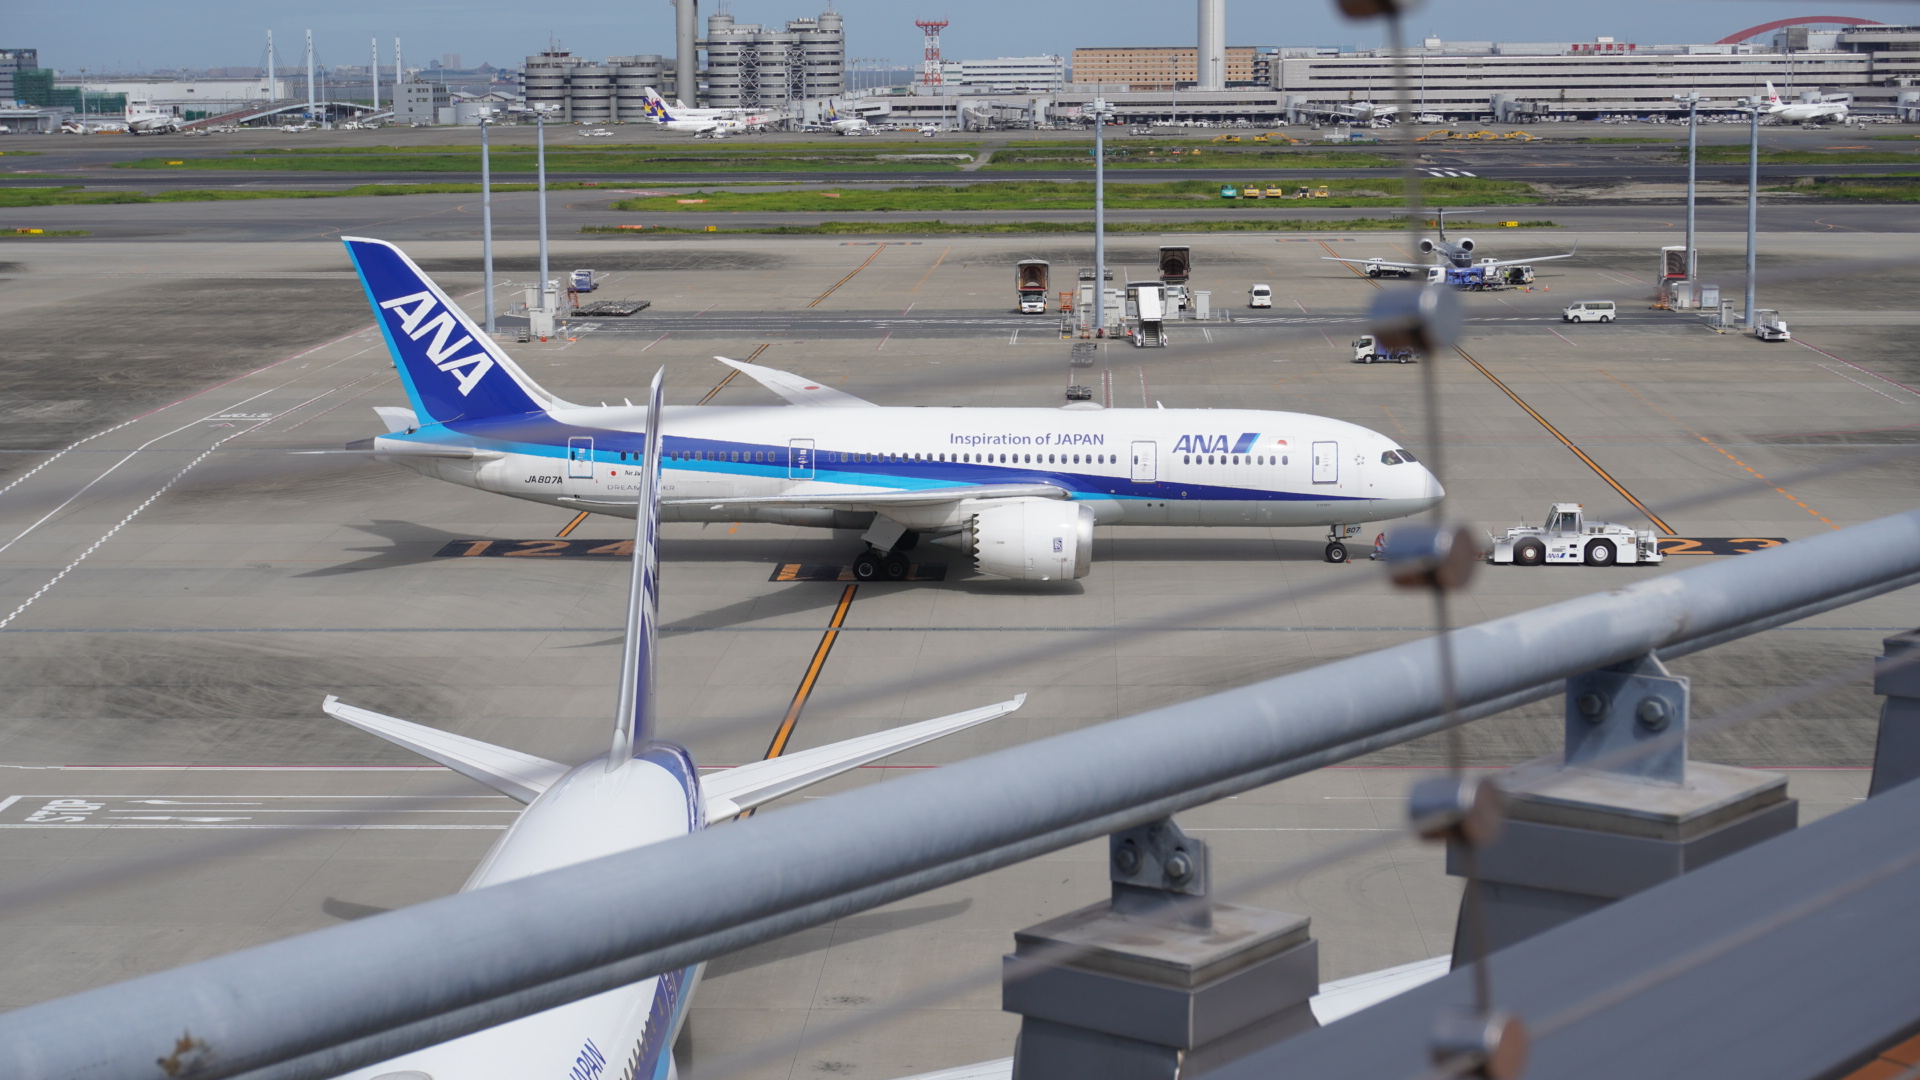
(1159, 872)
(1629, 720)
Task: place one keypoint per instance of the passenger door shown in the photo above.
(580, 458)
(800, 459)
(1326, 463)
(1146, 459)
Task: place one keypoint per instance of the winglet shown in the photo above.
(796, 389)
(633, 723)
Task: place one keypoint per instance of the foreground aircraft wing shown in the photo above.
(510, 772)
(748, 786)
(1528, 262)
(1378, 262)
(797, 390)
(863, 500)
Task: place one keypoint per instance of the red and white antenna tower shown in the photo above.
(930, 71)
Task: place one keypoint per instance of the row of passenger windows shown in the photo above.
(1233, 459)
(770, 457)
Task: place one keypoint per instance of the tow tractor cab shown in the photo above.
(1769, 326)
(1568, 538)
(582, 281)
(1260, 296)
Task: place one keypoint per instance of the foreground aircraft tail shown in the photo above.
(452, 370)
(633, 720)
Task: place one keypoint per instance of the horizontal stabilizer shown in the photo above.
(997, 1069)
(396, 418)
(748, 786)
(796, 389)
(510, 772)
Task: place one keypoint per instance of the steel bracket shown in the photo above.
(1159, 872)
(1630, 720)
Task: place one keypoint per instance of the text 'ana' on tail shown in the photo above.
(452, 370)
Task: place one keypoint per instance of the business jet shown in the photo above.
(642, 791)
(1019, 489)
(1804, 112)
(1456, 253)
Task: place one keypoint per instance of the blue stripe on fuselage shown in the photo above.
(539, 435)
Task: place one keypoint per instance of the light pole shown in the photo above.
(1099, 218)
(540, 139)
(486, 218)
(1693, 153)
(1753, 198)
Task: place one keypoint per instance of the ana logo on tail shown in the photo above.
(467, 370)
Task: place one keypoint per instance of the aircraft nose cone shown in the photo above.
(1430, 490)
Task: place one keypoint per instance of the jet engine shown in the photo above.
(1029, 539)
(1426, 246)
(1465, 243)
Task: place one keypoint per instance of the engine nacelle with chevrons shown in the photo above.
(1031, 539)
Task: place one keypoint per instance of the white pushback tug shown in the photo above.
(1568, 537)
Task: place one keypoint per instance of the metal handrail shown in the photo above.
(320, 1003)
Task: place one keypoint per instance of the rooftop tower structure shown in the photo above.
(930, 70)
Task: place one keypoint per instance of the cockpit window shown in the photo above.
(1389, 458)
(1407, 455)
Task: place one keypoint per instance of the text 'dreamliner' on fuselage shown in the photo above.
(1018, 489)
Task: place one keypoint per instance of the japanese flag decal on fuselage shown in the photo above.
(451, 369)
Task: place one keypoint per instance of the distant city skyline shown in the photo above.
(120, 36)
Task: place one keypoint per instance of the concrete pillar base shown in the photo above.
(1583, 840)
(1112, 996)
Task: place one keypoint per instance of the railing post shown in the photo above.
(1625, 810)
(1156, 983)
(1896, 676)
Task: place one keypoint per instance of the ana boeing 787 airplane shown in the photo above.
(642, 791)
(1018, 489)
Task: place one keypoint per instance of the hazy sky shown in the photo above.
(120, 34)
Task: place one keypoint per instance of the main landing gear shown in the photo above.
(872, 565)
(1336, 551)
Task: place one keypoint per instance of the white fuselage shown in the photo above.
(1803, 111)
(1218, 467)
(621, 1034)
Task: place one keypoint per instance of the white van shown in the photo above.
(1589, 311)
(1260, 296)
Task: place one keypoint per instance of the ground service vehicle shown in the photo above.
(1260, 296)
(1030, 279)
(1368, 350)
(1601, 311)
(1147, 304)
(1381, 268)
(1568, 538)
(1769, 326)
(1229, 192)
(582, 281)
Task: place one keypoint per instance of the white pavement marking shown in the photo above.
(204, 455)
(1864, 386)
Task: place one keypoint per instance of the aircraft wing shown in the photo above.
(1527, 262)
(797, 390)
(509, 772)
(867, 500)
(748, 786)
(1378, 262)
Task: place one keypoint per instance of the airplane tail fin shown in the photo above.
(451, 368)
(656, 108)
(1773, 97)
(633, 723)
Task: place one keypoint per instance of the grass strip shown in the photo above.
(948, 228)
(1882, 189)
(522, 160)
(1738, 155)
(77, 195)
(40, 234)
(1052, 195)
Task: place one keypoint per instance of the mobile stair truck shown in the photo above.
(1147, 303)
(1030, 279)
(1176, 266)
(1568, 538)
